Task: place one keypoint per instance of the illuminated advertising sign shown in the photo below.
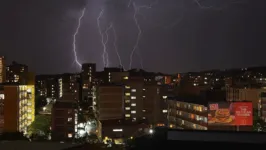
(230, 114)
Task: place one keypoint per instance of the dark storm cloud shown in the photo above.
(177, 35)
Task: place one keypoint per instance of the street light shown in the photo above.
(151, 131)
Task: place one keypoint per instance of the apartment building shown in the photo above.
(69, 87)
(187, 113)
(110, 100)
(64, 120)
(143, 101)
(47, 86)
(88, 75)
(250, 94)
(17, 107)
(16, 73)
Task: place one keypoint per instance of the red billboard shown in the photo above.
(230, 113)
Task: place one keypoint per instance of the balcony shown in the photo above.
(192, 111)
(198, 122)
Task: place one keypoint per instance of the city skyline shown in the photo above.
(174, 37)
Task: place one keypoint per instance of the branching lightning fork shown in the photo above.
(115, 46)
(136, 12)
(104, 41)
(74, 37)
(105, 47)
(102, 36)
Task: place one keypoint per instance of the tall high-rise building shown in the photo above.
(2, 69)
(17, 73)
(47, 86)
(87, 82)
(69, 87)
(142, 101)
(18, 107)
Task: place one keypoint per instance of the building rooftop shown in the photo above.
(189, 99)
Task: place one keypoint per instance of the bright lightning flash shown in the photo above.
(74, 37)
(136, 12)
(102, 36)
(105, 47)
(115, 46)
(104, 41)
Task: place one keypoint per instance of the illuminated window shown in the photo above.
(69, 135)
(133, 111)
(2, 96)
(133, 97)
(134, 119)
(164, 111)
(143, 96)
(127, 108)
(143, 110)
(127, 115)
(133, 104)
(200, 109)
(126, 77)
(117, 130)
(133, 90)
(127, 87)
(127, 101)
(127, 94)
(164, 97)
(69, 119)
(143, 89)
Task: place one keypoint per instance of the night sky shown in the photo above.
(177, 35)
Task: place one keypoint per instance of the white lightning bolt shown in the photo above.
(105, 47)
(115, 46)
(74, 37)
(136, 12)
(102, 37)
(104, 41)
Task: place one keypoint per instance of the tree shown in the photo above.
(40, 102)
(40, 127)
